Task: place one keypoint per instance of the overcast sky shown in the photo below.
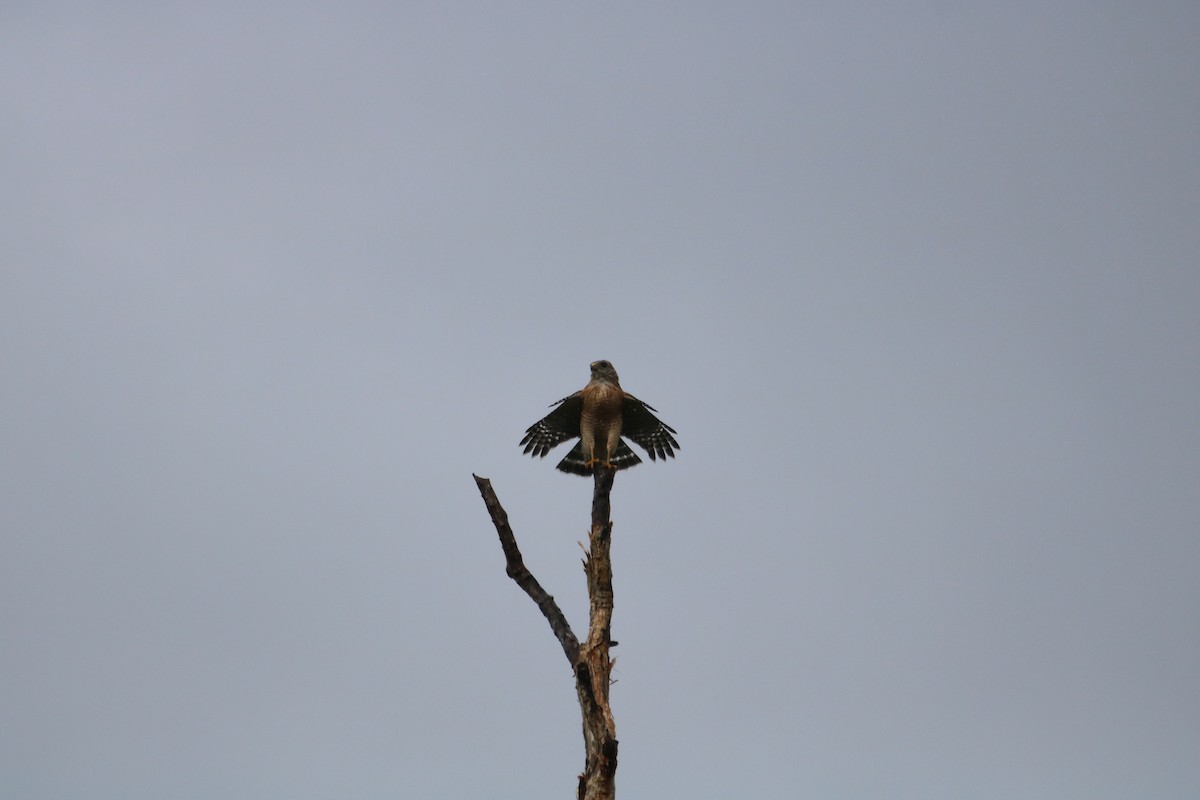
(918, 287)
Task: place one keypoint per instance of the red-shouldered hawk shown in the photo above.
(599, 414)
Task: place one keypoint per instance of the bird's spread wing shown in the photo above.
(647, 430)
(556, 427)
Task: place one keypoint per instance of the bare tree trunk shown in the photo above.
(589, 661)
(593, 667)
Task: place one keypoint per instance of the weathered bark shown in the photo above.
(517, 570)
(589, 661)
(593, 667)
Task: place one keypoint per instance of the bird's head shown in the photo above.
(604, 371)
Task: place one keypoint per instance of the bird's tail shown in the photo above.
(574, 462)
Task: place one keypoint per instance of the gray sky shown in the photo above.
(917, 286)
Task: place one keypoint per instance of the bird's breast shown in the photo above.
(601, 407)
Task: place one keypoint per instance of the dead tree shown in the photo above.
(589, 660)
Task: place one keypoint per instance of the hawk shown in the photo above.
(599, 414)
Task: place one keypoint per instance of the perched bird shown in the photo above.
(599, 414)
